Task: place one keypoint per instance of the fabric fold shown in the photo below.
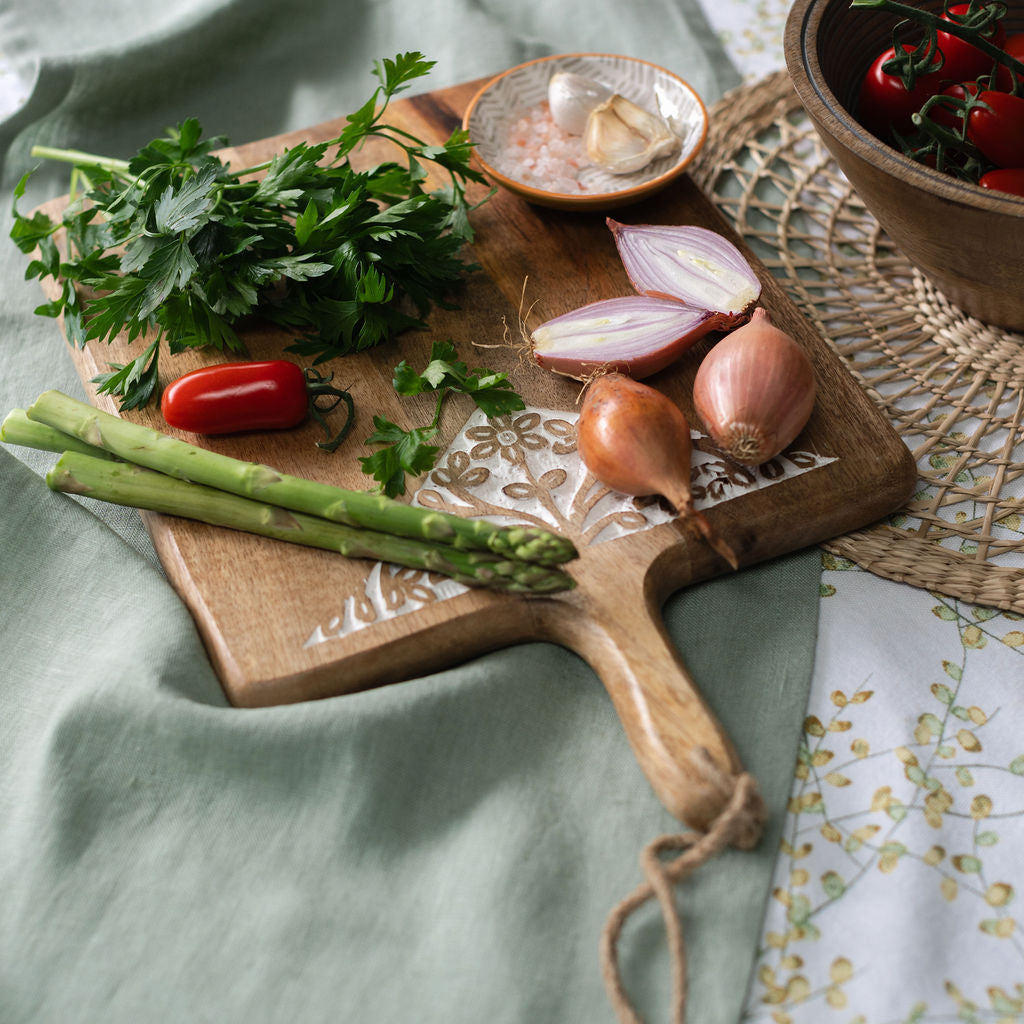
(445, 848)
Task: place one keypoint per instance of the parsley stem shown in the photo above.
(395, 134)
(435, 423)
(76, 156)
(255, 169)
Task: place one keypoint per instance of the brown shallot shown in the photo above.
(754, 391)
(636, 440)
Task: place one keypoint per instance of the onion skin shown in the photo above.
(636, 440)
(754, 391)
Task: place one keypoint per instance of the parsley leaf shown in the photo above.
(29, 232)
(408, 451)
(445, 372)
(182, 208)
(395, 75)
(138, 379)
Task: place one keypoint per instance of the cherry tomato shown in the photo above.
(885, 105)
(233, 397)
(963, 62)
(999, 131)
(1014, 46)
(1005, 179)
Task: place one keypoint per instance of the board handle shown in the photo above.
(679, 743)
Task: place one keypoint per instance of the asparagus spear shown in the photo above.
(126, 484)
(18, 429)
(177, 458)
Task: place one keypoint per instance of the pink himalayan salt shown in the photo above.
(542, 155)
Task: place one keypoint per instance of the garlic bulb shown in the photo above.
(572, 97)
(623, 137)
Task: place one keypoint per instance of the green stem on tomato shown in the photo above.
(942, 141)
(950, 27)
(131, 485)
(319, 387)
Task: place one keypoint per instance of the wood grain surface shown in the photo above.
(256, 601)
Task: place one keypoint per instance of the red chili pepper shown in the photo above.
(229, 398)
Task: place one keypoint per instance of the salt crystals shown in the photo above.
(542, 155)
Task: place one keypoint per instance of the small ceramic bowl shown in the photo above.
(495, 111)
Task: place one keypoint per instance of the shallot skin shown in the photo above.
(754, 391)
(636, 440)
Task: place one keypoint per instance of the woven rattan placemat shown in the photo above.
(952, 386)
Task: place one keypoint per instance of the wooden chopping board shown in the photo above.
(283, 623)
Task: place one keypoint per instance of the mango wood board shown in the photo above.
(283, 623)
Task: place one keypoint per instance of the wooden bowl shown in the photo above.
(967, 240)
(494, 110)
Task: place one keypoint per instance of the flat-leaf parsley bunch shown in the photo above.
(175, 245)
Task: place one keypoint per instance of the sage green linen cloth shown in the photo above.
(441, 850)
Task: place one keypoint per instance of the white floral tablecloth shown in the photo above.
(895, 891)
(894, 897)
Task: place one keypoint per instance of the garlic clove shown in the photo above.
(623, 137)
(572, 97)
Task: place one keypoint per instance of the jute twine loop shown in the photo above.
(697, 847)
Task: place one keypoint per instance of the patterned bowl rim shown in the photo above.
(592, 198)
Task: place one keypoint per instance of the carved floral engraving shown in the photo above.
(523, 468)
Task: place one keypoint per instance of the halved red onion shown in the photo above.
(687, 263)
(633, 334)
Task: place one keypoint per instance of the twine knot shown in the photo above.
(731, 827)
